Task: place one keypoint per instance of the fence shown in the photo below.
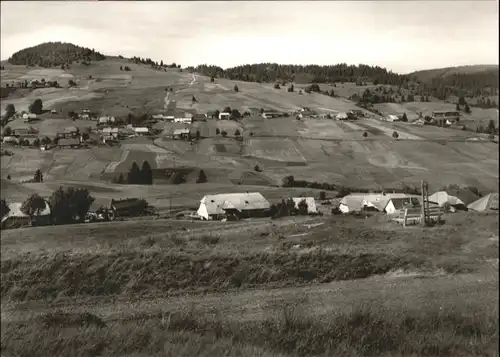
(413, 216)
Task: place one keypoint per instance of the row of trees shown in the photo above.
(136, 175)
(67, 205)
(154, 64)
(272, 72)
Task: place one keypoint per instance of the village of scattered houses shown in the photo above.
(255, 205)
(111, 130)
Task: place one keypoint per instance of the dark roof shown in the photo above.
(68, 142)
(124, 204)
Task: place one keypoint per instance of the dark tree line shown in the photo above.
(137, 176)
(461, 84)
(272, 72)
(153, 64)
(51, 54)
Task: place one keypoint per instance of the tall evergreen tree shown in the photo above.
(134, 175)
(38, 176)
(146, 174)
(202, 178)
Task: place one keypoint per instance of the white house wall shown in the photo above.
(390, 209)
(202, 211)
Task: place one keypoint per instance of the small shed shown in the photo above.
(141, 131)
(181, 133)
(392, 118)
(128, 207)
(271, 114)
(29, 117)
(224, 116)
(342, 116)
(106, 120)
(183, 120)
(110, 132)
(199, 117)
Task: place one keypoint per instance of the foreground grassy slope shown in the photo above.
(121, 288)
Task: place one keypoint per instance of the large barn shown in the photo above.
(240, 205)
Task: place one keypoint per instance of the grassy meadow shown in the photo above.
(291, 287)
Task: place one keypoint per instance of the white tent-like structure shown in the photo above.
(485, 204)
(442, 198)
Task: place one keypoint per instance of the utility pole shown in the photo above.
(173, 173)
(425, 202)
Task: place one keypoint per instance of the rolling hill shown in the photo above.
(51, 54)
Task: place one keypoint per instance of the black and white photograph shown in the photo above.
(249, 178)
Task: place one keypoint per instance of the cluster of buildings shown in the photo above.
(254, 204)
(394, 203)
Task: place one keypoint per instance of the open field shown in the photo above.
(288, 287)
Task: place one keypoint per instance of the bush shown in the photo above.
(236, 89)
(257, 168)
(217, 131)
(224, 133)
(277, 86)
(237, 132)
(322, 195)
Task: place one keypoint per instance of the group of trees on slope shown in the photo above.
(136, 175)
(271, 72)
(67, 205)
(475, 84)
(51, 54)
(155, 64)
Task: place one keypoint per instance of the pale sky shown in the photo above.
(402, 36)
